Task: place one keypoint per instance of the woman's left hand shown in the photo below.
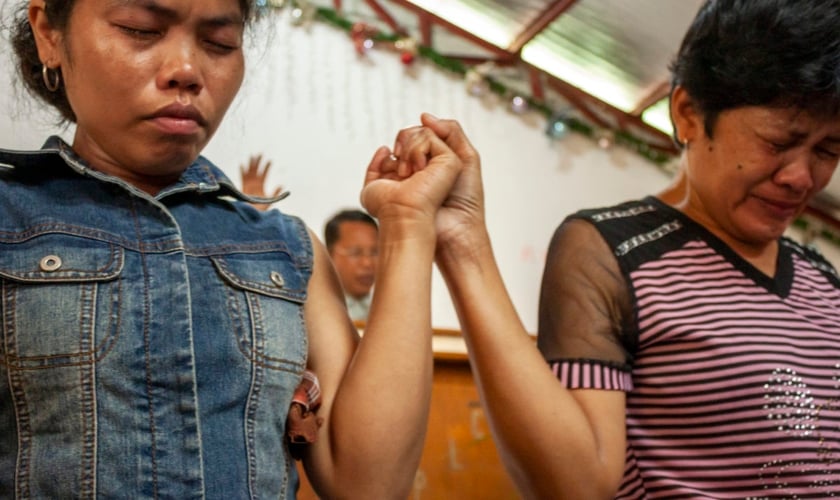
(414, 180)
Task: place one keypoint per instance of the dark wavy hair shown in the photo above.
(761, 53)
(333, 226)
(26, 52)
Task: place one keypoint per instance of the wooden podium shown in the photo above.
(459, 460)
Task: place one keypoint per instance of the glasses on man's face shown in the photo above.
(357, 253)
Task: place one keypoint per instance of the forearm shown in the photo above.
(381, 409)
(543, 434)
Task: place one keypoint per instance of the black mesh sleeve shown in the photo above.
(585, 312)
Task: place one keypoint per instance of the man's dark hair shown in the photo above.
(332, 229)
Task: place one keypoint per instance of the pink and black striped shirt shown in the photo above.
(732, 377)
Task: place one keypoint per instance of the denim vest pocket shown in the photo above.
(60, 297)
(265, 301)
(265, 295)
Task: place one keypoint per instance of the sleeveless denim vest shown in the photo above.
(150, 346)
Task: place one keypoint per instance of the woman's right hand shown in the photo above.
(253, 180)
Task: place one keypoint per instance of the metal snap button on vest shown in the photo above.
(50, 263)
(277, 278)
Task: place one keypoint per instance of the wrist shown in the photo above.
(461, 247)
(397, 232)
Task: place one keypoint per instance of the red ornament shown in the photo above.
(407, 47)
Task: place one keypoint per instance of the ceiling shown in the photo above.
(605, 61)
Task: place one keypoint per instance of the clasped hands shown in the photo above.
(432, 175)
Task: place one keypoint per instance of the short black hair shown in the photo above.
(761, 53)
(332, 228)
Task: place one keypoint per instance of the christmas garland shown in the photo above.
(365, 37)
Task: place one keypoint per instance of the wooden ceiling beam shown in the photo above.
(576, 98)
(425, 29)
(660, 91)
(535, 76)
(583, 101)
(498, 51)
(476, 60)
(541, 22)
(385, 16)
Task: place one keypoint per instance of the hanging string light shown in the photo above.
(604, 138)
(518, 104)
(475, 83)
(362, 35)
(556, 127)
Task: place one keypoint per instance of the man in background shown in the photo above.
(352, 239)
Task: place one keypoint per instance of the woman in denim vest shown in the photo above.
(155, 325)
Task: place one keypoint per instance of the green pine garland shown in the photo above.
(621, 137)
(624, 138)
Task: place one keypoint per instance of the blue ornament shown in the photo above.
(556, 128)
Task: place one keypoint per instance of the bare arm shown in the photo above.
(376, 392)
(556, 443)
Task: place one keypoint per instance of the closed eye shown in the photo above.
(781, 146)
(222, 37)
(138, 33)
(222, 47)
(828, 153)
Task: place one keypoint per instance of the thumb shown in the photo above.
(450, 132)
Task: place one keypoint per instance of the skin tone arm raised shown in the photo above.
(376, 390)
(554, 442)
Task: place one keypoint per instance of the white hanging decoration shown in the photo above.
(605, 138)
(519, 104)
(476, 84)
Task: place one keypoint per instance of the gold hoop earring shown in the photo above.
(52, 84)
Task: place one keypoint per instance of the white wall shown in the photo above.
(318, 112)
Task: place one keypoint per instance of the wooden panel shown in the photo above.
(459, 459)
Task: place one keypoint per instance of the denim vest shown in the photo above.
(150, 346)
